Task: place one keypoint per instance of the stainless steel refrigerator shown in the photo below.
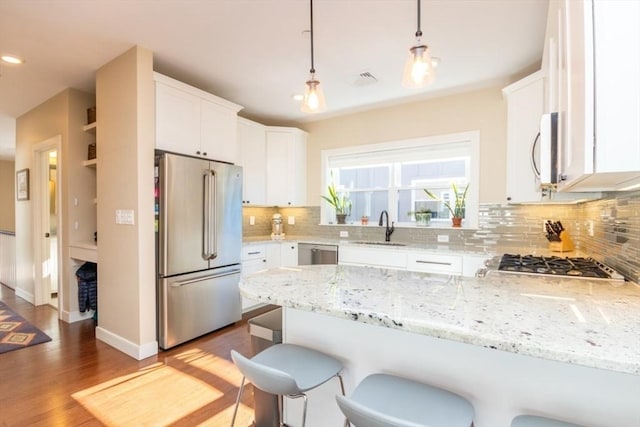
(199, 243)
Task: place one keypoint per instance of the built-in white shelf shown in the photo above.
(91, 127)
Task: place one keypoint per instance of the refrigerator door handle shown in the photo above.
(203, 278)
(206, 224)
(213, 217)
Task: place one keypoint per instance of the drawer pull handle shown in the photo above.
(432, 262)
(254, 253)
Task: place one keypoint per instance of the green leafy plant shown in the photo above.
(458, 207)
(340, 203)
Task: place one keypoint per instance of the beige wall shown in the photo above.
(482, 110)
(7, 196)
(126, 253)
(62, 115)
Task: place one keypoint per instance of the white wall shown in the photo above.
(126, 253)
(482, 110)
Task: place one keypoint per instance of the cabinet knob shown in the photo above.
(508, 199)
(204, 154)
(197, 152)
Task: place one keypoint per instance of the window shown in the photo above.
(391, 176)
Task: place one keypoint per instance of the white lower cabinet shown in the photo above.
(456, 264)
(372, 257)
(264, 256)
(254, 259)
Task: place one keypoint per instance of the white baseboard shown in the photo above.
(25, 295)
(136, 351)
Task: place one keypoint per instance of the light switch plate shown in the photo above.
(344, 234)
(291, 220)
(125, 216)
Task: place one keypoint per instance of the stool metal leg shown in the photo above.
(346, 421)
(235, 410)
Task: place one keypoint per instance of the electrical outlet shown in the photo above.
(590, 228)
(252, 220)
(291, 220)
(544, 225)
(443, 238)
(344, 234)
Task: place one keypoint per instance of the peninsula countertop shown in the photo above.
(584, 322)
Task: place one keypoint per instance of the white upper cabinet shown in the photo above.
(591, 58)
(193, 122)
(525, 106)
(286, 166)
(252, 141)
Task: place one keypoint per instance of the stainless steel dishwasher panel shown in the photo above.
(315, 254)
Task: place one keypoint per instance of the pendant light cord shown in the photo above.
(312, 70)
(418, 33)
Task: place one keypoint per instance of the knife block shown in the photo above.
(565, 245)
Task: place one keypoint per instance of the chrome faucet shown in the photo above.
(389, 230)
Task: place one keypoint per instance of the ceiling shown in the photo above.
(256, 52)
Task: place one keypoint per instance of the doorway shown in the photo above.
(47, 222)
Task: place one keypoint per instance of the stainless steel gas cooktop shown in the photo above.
(586, 268)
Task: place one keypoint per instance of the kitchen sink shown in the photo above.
(382, 243)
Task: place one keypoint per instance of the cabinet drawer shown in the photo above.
(431, 263)
(253, 252)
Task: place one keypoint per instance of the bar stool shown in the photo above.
(383, 400)
(286, 370)
(534, 421)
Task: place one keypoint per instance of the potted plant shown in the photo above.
(422, 216)
(340, 203)
(457, 210)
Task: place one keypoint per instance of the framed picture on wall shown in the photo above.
(22, 184)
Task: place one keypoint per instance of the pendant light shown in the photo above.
(313, 101)
(418, 70)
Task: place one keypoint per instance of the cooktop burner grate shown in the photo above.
(557, 266)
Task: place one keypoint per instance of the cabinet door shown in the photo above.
(277, 168)
(289, 254)
(617, 73)
(177, 120)
(525, 105)
(273, 255)
(253, 152)
(218, 139)
(286, 167)
(576, 124)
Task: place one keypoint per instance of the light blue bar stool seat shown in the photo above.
(286, 370)
(535, 421)
(382, 400)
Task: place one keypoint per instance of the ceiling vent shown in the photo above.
(365, 79)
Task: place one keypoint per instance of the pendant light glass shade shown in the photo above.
(313, 101)
(418, 70)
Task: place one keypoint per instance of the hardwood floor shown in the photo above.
(76, 380)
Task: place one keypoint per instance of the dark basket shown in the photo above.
(92, 151)
(91, 115)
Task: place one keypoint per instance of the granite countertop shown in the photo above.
(584, 322)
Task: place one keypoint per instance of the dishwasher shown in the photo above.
(314, 254)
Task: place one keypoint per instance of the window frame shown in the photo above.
(467, 141)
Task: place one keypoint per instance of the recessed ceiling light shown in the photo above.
(11, 59)
(297, 97)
